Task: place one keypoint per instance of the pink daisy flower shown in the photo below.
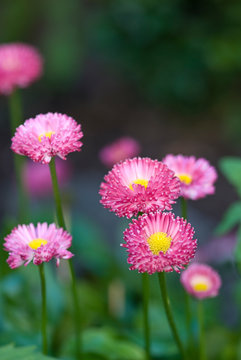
(139, 185)
(20, 65)
(197, 176)
(158, 242)
(119, 150)
(201, 281)
(40, 244)
(46, 136)
(37, 178)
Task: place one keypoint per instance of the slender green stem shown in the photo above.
(77, 311)
(166, 303)
(57, 198)
(61, 223)
(186, 295)
(190, 339)
(44, 309)
(184, 207)
(202, 352)
(145, 298)
(16, 117)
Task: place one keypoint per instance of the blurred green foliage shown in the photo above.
(231, 168)
(182, 54)
(9, 352)
(179, 53)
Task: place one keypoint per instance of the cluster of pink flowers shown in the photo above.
(156, 241)
(39, 138)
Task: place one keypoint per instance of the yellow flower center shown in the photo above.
(48, 134)
(142, 182)
(159, 242)
(36, 243)
(184, 178)
(200, 286)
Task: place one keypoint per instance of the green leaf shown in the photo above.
(106, 342)
(231, 218)
(231, 168)
(9, 352)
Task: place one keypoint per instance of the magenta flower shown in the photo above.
(37, 177)
(119, 150)
(46, 136)
(158, 242)
(201, 281)
(40, 244)
(139, 185)
(20, 66)
(197, 176)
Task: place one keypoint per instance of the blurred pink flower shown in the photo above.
(46, 136)
(158, 242)
(40, 244)
(37, 178)
(139, 185)
(119, 150)
(201, 281)
(197, 176)
(20, 65)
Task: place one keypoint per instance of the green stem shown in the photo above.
(57, 198)
(61, 223)
(187, 296)
(77, 311)
(184, 207)
(166, 303)
(16, 117)
(145, 297)
(190, 338)
(44, 309)
(202, 352)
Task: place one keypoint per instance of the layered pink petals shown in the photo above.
(119, 150)
(46, 136)
(20, 65)
(123, 196)
(182, 247)
(200, 173)
(201, 281)
(17, 243)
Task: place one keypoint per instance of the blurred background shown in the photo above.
(168, 74)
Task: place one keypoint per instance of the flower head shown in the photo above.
(197, 176)
(139, 185)
(20, 65)
(37, 178)
(40, 244)
(201, 281)
(46, 136)
(159, 242)
(119, 150)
